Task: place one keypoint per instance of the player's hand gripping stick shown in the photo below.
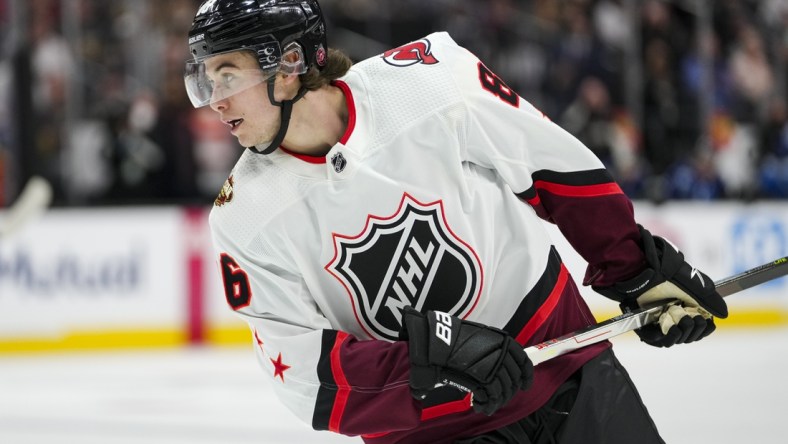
(475, 358)
(637, 318)
(668, 277)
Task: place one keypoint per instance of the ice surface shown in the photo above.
(727, 389)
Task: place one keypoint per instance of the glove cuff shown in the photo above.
(631, 289)
(415, 330)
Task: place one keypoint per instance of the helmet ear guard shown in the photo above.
(292, 60)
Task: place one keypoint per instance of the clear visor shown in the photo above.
(224, 75)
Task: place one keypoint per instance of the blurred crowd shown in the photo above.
(681, 99)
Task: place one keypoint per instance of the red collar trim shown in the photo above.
(351, 110)
(305, 157)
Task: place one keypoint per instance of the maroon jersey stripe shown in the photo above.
(343, 388)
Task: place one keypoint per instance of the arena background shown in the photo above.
(112, 320)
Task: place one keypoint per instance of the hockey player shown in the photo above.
(382, 237)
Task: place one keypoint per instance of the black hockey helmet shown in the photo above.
(267, 28)
(228, 25)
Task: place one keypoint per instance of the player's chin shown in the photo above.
(246, 141)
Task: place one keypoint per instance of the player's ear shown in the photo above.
(291, 82)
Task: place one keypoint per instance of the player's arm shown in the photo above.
(328, 378)
(337, 382)
(567, 184)
(551, 170)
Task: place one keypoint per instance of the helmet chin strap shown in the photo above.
(286, 110)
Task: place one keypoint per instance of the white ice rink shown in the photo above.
(730, 388)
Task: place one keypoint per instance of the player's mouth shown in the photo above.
(234, 124)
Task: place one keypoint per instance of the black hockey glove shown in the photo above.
(667, 277)
(475, 358)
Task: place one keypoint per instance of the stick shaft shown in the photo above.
(635, 319)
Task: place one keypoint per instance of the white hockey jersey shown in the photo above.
(423, 202)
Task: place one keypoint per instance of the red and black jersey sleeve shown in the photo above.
(550, 169)
(595, 216)
(363, 386)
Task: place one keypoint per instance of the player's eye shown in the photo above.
(227, 80)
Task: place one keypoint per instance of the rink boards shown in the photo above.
(146, 277)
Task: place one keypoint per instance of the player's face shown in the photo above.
(248, 113)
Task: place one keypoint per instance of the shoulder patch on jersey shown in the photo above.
(411, 54)
(409, 258)
(226, 193)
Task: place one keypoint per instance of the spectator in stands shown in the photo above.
(753, 81)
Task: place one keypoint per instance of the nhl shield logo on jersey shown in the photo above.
(409, 258)
(339, 162)
(225, 194)
(410, 54)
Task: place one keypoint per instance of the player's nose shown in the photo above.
(219, 105)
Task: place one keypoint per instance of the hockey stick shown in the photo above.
(32, 201)
(637, 318)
